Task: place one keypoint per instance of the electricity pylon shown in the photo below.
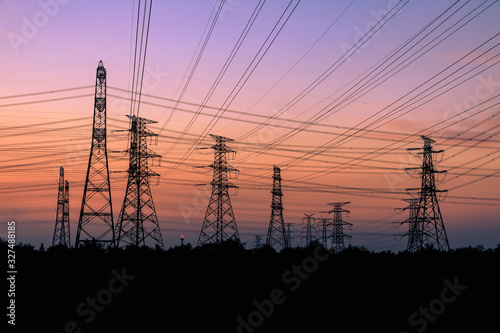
(276, 234)
(138, 222)
(61, 229)
(96, 224)
(257, 243)
(309, 221)
(323, 223)
(289, 232)
(338, 236)
(412, 224)
(219, 224)
(429, 227)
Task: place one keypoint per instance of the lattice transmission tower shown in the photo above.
(61, 229)
(338, 236)
(219, 224)
(308, 229)
(276, 234)
(324, 223)
(257, 242)
(138, 223)
(96, 224)
(412, 224)
(289, 232)
(428, 229)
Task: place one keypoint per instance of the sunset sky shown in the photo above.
(350, 89)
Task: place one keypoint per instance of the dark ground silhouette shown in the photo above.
(229, 289)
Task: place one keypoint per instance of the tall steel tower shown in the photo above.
(429, 227)
(338, 224)
(61, 229)
(276, 234)
(219, 224)
(138, 222)
(309, 220)
(96, 215)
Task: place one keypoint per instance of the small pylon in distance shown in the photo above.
(289, 232)
(62, 229)
(413, 233)
(324, 223)
(308, 229)
(276, 234)
(338, 236)
(257, 243)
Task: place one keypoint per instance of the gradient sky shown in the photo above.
(448, 91)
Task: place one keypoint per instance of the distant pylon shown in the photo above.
(323, 223)
(413, 226)
(138, 222)
(309, 221)
(428, 229)
(276, 234)
(66, 222)
(219, 224)
(338, 236)
(96, 215)
(289, 233)
(61, 230)
(257, 241)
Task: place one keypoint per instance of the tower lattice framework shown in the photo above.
(428, 229)
(412, 223)
(96, 223)
(324, 223)
(62, 229)
(219, 224)
(138, 223)
(338, 236)
(276, 234)
(308, 229)
(289, 232)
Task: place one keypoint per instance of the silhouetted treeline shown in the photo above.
(226, 288)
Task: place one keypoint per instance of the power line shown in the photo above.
(312, 153)
(46, 92)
